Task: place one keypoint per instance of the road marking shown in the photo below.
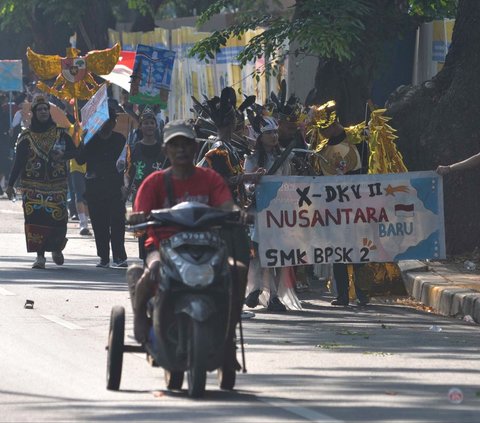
(10, 212)
(306, 413)
(61, 322)
(6, 292)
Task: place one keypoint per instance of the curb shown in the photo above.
(437, 292)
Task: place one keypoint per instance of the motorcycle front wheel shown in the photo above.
(198, 350)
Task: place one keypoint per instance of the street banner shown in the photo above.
(152, 76)
(350, 219)
(95, 113)
(11, 75)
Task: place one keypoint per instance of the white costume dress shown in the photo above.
(272, 282)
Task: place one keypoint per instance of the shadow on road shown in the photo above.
(76, 273)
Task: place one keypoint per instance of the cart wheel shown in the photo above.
(226, 378)
(115, 348)
(174, 380)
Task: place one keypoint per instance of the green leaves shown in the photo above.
(352, 31)
(16, 15)
(143, 6)
(433, 9)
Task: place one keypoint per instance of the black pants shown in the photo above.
(340, 273)
(141, 247)
(107, 213)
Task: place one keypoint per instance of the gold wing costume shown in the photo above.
(74, 73)
(342, 158)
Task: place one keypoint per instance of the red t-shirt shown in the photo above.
(204, 186)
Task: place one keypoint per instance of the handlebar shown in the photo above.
(212, 217)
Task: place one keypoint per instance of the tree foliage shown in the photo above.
(170, 8)
(346, 31)
(46, 25)
(18, 15)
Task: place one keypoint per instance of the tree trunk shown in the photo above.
(336, 81)
(47, 38)
(143, 23)
(92, 32)
(350, 82)
(438, 123)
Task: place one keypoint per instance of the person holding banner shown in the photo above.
(469, 163)
(41, 164)
(267, 285)
(105, 191)
(287, 111)
(224, 158)
(344, 154)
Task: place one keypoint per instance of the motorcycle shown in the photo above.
(194, 312)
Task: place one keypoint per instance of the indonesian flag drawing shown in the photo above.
(404, 210)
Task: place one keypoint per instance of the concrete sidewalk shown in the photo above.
(448, 288)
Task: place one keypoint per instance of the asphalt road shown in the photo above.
(323, 364)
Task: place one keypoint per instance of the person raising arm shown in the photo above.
(469, 163)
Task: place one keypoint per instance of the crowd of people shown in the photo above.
(99, 178)
(217, 157)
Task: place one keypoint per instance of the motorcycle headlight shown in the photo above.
(196, 275)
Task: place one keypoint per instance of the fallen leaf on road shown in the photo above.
(377, 353)
(96, 306)
(328, 346)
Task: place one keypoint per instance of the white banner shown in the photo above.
(350, 219)
(95, 113)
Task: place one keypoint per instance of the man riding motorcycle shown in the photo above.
(183, 181)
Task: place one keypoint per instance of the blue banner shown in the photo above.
(152, 75)
(11, 75)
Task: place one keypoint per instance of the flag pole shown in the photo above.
(77, 131)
